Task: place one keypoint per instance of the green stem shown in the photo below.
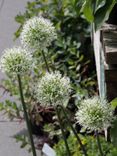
(99, 144)
(74, 131)
(46, 63)
(26, 116)
(63, 133)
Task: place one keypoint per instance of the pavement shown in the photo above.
(8, 144)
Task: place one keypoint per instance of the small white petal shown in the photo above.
(53, 89)
(94, 114)
(37, 34)
(15, 60)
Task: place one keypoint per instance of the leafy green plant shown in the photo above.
(90, 144)
(24, 141)
(12, 109)
(97, 11)
(67, 54)
(72, 52)
(113, 130)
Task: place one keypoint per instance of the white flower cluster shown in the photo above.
(38, 33)
(53, 89)
(95, 114)
(15, 60)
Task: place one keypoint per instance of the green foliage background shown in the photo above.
(97, 12)
(90, 144)
(72, 53)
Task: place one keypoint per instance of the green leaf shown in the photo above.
(114, 103)
(100, 4)
(88, 10)
(20, 19)
(102, 14)
(114, 133)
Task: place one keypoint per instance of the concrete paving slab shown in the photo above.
(8, 145)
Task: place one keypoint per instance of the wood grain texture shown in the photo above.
(111, 74)
(110, 43)
(111, 90)
(111, 82)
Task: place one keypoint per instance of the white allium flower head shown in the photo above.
(94, 114)
(37, 33)
(15, 60)
(53, 89)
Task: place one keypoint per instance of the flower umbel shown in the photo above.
(95, 114)
(15, 60)
(53, 89)
(37, 33)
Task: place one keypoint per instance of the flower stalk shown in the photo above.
(57, 112)
(63, 132)
(74, 131)
(99, 144)
(45, 60)
(26, 116)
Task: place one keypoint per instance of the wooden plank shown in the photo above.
(110, 35)
(111, 55)
(110, 43)
(111, 47)
(111, 90)
(111, 81)
(99, 58)
(109, 27)
(111, 74)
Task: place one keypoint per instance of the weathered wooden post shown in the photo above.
(105, 47)
(99, 58)
(109, 41)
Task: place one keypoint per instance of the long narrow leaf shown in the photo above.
(103, 13)
(88, 10)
